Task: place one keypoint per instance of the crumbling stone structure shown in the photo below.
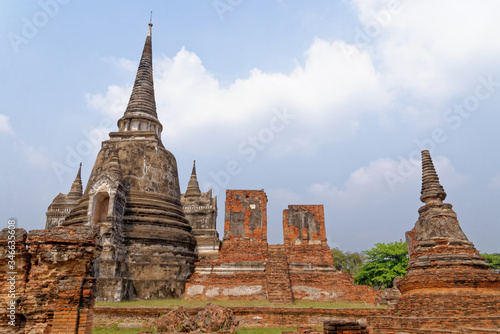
(62, 205)
(449, 287)
(133, 198)
(239, 271)
(201, 212)
(249, 268)
(52, 290)
(310, 260)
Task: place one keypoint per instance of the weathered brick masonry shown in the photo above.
(310, 260)
(449, 287)
(54, 292)
(239, 271)
(247, 316)
(249, 268)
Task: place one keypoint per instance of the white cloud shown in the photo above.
(325, 88)
(35, 155)
(383, 181)
(5, 124)
(431, 49)
(111, 104)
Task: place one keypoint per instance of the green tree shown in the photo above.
(350, 262)
(384, 263)
(493, 260)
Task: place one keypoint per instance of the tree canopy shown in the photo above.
(350, 262)
(493, 260)
(385, 262)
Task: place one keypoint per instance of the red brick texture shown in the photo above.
(449, 287)
(246, 216)
(54, 290)
(250, 269)
(310, 260)
(247, 316)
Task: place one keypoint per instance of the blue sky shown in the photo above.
(324, 102)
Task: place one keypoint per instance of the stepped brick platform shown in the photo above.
(54, 292)
(248, 268)
(279, 288)
(449, 287)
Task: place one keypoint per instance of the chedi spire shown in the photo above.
(431, 188)
(140, 114)
(76, 188)
(193, 189)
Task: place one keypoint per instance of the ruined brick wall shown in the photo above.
(245, 227)
(54, 290)
(335, 286)
(310, 260)
(305, 236)
(304, 224)
(246, 216)
(247, 268)
(239, 271)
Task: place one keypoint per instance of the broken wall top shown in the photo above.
(246, 215)
(304, 224)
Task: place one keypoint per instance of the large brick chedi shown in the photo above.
(133, 197)
(449, 287)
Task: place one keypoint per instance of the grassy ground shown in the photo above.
(229, 303)
(106, 330)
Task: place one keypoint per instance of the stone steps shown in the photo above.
(279, 289)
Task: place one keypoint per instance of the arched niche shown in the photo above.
(100, 207)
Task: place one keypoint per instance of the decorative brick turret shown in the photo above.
(201, 212)
(62, 205)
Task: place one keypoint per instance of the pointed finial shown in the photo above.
(140, 114)
(150, 23)
(76, 190)
(194, 168)
(193, 189)
(431, 188)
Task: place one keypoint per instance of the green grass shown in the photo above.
(115, 329)
(230, 303)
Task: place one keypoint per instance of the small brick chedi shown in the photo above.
(133, 197)
(248, 268)
(62, 205)
(449, 287)
(201, 212)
